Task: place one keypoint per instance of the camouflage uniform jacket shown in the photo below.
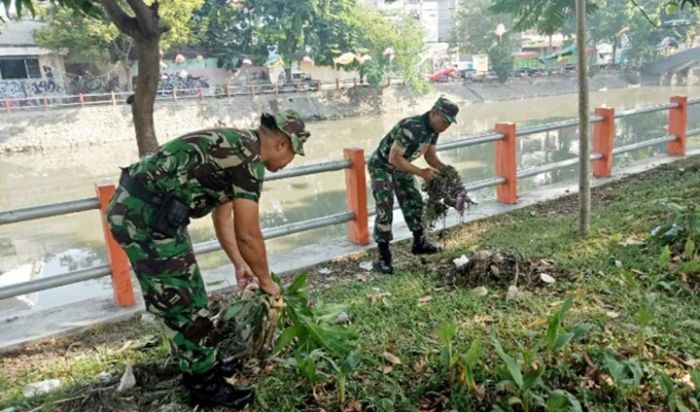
(413, 134)
(205, 169)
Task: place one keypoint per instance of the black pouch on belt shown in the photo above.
(170, 213)
(170, 216)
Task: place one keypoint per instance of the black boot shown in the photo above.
(209, 389)
(421, 246)
(383, 264)
(229, 366)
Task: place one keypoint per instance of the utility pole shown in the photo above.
(584, 181)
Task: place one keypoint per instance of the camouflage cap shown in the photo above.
(290, 123)
(447, 108)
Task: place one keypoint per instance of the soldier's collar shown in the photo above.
(426, 121)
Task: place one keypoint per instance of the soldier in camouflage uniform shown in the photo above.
(219, 171)
(391, 172)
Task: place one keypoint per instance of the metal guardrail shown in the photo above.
(534, 171)
(642, 145)
(37, 212)
(644, 110)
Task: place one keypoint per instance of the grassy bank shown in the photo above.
(429, 339)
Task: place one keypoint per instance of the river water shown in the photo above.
(52, 246)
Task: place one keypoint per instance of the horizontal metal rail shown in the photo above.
(555, 166)
(641, 145)
(54, 281)
(692, 132)
(693, 101)
(548, 127)
(289, 229)
(309, 170)
(483, 184)
(199, 248)
(470, 141)
(644, 110)
(56, 209)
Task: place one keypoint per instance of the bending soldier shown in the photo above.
(219, 171)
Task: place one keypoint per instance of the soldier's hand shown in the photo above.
(244, 275)
(428, 173)
(271, 288)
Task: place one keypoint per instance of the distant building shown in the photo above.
(436, 16)
(26, 70)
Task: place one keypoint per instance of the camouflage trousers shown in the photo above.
(170, 280)
(385, 182)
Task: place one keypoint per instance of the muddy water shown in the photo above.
(52, 246)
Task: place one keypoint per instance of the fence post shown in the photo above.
(8, 105)
(298, 87)
(199, 93)
(118, 261)
(252, 89)
(228, 90)
(175, 94)
(114, 98)
(277, 89)
(81, 98)
(603, 141)
(356, 195)
(46, 102)
(506, 164)
(318, 85)
(337, 84)
(677, 126)
(354, 82)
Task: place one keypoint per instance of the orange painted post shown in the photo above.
(114, 99)
(356, 195)
(8, 105)
(252, 90)
(81, 98)
(175, 94)
(118, 261)
(603, 141)
(277, 89)
(199, 93)
(506, 164)
(677, 126)
(337, 84)
(228, 91)
(46, 102)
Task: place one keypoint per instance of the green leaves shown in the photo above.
(512, 366)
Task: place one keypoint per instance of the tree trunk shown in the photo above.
(288, 74)
(146, 87)
(584, 149)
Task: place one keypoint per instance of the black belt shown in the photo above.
(138, 190)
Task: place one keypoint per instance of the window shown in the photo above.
(19, 69)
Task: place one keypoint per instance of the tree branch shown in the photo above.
(146, 16)
(123, 21)
(644, 13)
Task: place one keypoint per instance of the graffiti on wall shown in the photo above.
(94, 84)
(31, 89)
(186, 84)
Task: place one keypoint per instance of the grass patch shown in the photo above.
(640, 348)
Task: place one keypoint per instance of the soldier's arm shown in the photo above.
(432, 158)
(401, 163)
(251, 243)
(224, 226)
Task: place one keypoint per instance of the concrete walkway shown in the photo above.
(80, 315)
